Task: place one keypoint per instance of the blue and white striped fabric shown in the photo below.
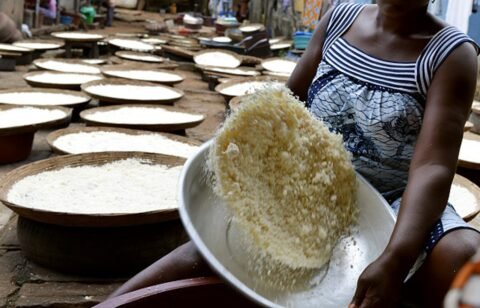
(378, 105)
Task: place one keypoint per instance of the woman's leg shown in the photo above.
(182, 263)
(433, 279)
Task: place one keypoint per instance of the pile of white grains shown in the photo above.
(40, 98)
(279, 66)
(139, 57)
(234, 71)
(217, 59)
(61, 66)
(245, 88)
(37, 45)
(131, 44)
(143, 115)
(121, 187)
(288, 182)
(133, 92)
(63, 78)
(28, 116)
(77, 36)
(103, 141)
(145, 75)
(469, 151)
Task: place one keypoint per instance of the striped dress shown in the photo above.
(378, 105)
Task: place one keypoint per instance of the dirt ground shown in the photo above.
(25, 284)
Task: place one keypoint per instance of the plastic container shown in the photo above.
(301, 39)
(66, 20)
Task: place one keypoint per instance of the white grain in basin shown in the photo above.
(462, 199)
(12, 48)
(218, 59)
(63, 78)
(40, 98)
(37, 45)
(245, 88)
(279, 66)
(143, 115)
(469, 151)
(222, 39)
(122, 187)
(77, 36)
(131, 44)
(234, 71)
(140, 57)
(104, 141)
(133, 92)
(154, 41)
(145, 75)
(94, 61)
(66, 67)
(279, 46)
(251, 28)
(28, 116)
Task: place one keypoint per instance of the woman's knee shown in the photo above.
(444, 262)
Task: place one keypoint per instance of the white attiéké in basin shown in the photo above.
(104, 141)
(40, 98)
(125, 186)
(133, 92)
(142, 115)
(22, 116)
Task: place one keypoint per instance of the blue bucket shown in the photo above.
(66, 20)
(301, 39)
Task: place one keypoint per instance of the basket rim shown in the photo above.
(86, 98)
(79, 219)
(25, 128)
(120, 81)
(53, 136)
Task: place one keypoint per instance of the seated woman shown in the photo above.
(398, 84)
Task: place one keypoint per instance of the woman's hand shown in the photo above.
(380, 284)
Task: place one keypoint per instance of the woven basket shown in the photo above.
(234, 55)
(265, 62)
(146, 47)
(21, 129)
(126, 54)
(59, 44)
(159, 127)
(41, 63)
(72, 39)
(86, 98)
(116, 100)
(469, 164)
(106, 70)
(179, 52)
(221, 87)
(466, 208)
(43, 84)
(85, 220)
(53, 136)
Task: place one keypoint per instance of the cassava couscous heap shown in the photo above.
(121, 187)
(288, 182)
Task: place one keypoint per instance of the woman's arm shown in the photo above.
(431, 173)
(304, 72)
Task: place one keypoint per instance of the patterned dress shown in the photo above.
(378, 106)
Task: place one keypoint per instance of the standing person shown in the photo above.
(48, 8)
(398, 84)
